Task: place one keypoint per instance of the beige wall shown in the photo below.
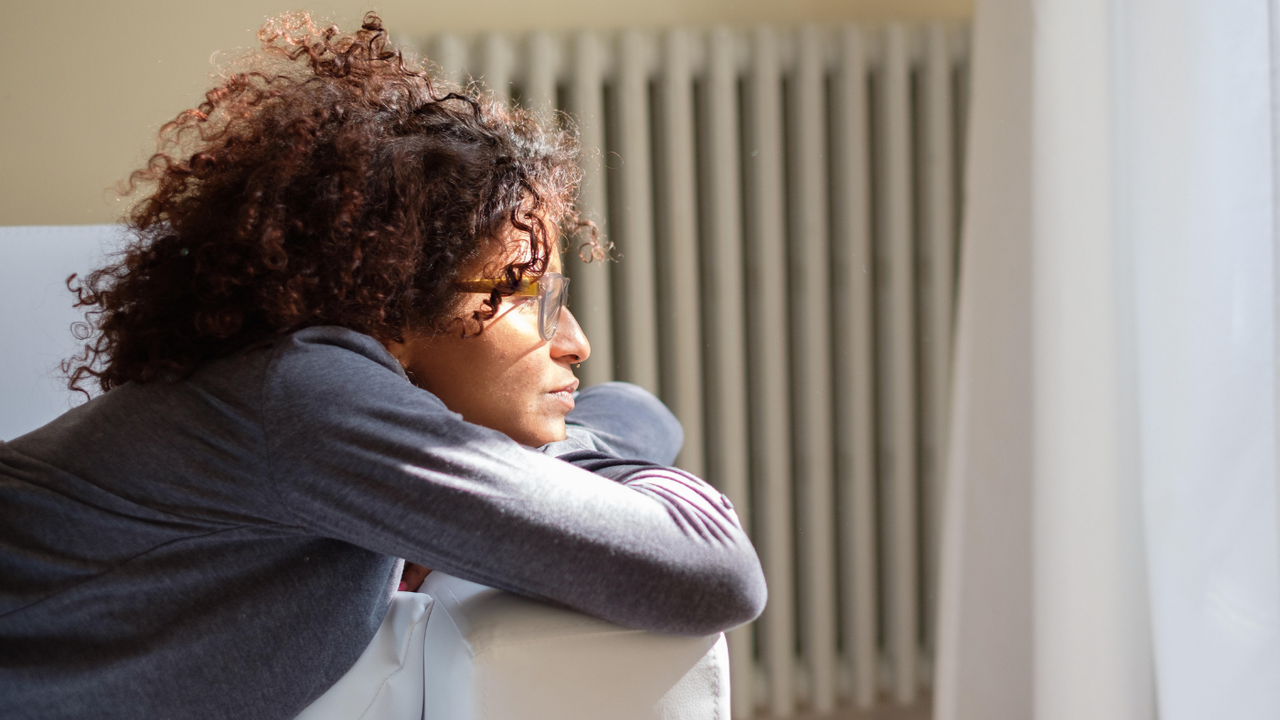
(84, 86)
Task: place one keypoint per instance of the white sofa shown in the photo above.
(36, 314)
(462, 651)
(491, 654)
(454, 651)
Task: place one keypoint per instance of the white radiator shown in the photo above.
(784, 208)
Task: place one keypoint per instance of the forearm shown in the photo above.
(618, 418)
(387, 467)
(671, 556)
(649, 547)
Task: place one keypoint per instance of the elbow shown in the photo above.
(756, 596)
(702, 592)
(720, 598)
(744, 596)
(738, 604)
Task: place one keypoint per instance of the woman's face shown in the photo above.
(506, 378)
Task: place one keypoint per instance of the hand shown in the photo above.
(412, 577)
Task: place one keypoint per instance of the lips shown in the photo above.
(570, 388)
(565, 394)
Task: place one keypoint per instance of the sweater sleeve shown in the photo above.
(617, 429)
(622, 420)
(359, 454)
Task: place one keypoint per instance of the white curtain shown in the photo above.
(1196, 111)
(1129, 145)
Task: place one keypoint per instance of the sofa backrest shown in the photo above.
(36, 314)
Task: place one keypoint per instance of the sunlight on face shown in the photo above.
(506, 378)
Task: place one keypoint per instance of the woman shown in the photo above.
(334, 345)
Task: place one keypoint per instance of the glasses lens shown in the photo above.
(552, 289)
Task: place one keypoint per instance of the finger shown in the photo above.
(413, 576)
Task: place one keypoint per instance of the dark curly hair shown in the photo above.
(329, 180)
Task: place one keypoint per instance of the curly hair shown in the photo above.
(330, 180)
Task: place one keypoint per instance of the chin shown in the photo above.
(551, 432)
(542, 438)
(559, 434)
(538, 434)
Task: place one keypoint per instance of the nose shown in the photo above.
(569, 343)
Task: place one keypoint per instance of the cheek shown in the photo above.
(510, 375)
(472, 369)
(498, 378)
(482, 375)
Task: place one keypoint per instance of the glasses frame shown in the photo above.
(541, 287)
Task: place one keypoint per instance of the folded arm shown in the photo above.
(361, 455)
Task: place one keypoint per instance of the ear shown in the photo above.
(399, 351)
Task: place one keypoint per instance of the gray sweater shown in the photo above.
(226, 546)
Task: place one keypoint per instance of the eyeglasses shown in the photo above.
(551, 289)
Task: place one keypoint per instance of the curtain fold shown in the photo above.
(1092, 627)
(984, 655)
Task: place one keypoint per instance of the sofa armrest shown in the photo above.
(386, 681)
(490, 654)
